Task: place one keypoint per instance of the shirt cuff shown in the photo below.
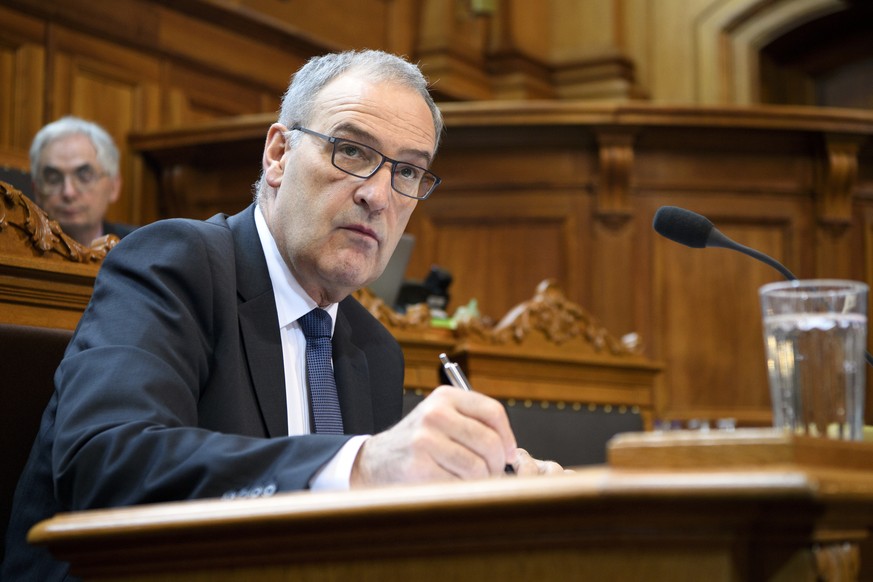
(336, 473)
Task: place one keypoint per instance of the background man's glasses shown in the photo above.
(363, 161)
(83, 179)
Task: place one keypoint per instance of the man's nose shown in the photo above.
(69, 188)
(376, 190)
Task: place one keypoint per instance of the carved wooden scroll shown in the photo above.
(43, 236)
(549, 317)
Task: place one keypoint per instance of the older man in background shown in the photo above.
(74, 166)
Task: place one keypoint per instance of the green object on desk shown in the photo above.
(443, 323)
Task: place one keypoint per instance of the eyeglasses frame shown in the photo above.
(333, 141)
(80, 187)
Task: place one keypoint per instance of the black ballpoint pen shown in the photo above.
(459, 380)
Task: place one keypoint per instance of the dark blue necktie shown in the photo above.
(319, 372)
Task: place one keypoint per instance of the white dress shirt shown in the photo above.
(292, 302)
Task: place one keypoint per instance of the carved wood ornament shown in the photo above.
(838, 181)
(556, 319)
(548, 317)
(45, 235)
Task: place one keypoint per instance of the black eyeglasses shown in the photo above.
(363, 161)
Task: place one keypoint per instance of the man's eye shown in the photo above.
(410, 173)
(350, 150)
(85, 174)
(50, 177)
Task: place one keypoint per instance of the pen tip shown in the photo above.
(444, 359)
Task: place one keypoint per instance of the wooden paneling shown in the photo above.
(530, 191)
(158, 63)
(115, 87)
(193, 95)
(536, 187)
(22, 78)
(364, 22)
(513, 209)
(498, 246)
(707, 312)
(137, 65)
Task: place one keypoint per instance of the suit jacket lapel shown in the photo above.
(259, 326)
(352, 380)
(259, 323)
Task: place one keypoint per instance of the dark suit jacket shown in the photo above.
(172, 387)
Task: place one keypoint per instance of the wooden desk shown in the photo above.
(762, 506)
(545, 348)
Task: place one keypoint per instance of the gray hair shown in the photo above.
(301, 99)
(107, 152)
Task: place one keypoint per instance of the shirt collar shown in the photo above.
(292, 302)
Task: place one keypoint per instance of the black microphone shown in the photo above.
(696, 231)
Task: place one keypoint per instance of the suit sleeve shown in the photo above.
(127, 428)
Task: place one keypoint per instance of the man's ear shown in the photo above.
(115, 193)
(274, 155)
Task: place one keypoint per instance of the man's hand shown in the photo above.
(527, 465)
(451, 434)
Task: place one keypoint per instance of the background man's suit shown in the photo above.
(173, 388)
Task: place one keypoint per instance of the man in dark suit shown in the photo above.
(187, 375)
(74, 165)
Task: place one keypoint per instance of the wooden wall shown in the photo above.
(568, 191)
(131, 66)
(530, 191)
(142, 65)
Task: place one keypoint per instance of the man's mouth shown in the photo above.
(363, 231)
(68, 212)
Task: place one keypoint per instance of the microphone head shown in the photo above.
(683, 226)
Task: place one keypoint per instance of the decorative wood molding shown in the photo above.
(550, 318)
(517, 76)
(46, 277)
(838, 180)
(44, 235)
(417, 317)
(546, 349)
(605, 77)
(616, 155)
(547, 317)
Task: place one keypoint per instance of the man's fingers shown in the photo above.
(527, 465)
(474, 421)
